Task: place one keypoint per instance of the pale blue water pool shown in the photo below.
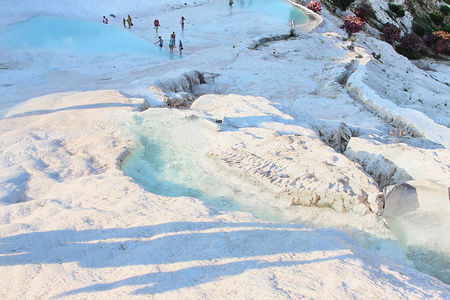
(276, 9)
(168, 165)
(73, 36)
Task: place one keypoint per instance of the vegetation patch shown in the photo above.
(315, 6)
(421, 28)
(445, 10)
(397, 9)
(410, 46)
(353, 24)
(342, 4)
(391, 33)
(437, 17)
(365, 12)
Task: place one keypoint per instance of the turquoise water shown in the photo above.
(168, 165)
(73, 36)
(165, 170)
(276, 9)
(94, 38)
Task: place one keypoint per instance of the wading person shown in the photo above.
(182, 22)
(160, 42)
(180, 47)
(171, 44)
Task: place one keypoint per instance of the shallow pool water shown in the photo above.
(276, 9)
(168, 165)
(73, 36)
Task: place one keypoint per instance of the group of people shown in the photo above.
(172, 39)
(156, 25)
(129, 21)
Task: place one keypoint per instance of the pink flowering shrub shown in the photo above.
(390, 33)
(315, 6)
(353, 24)
(443, 46)
(410, 46)
(442, 42)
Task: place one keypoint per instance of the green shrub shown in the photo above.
(445, 10)
(437, 17)
(397, 9)
(342, 4)
(421, 28)
(376, 56)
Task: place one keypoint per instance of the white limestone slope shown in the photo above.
(398, 162)
(397, 90)
(301, 169)
(84, 230)
(73, 226)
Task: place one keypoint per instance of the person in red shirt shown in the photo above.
(156, 25)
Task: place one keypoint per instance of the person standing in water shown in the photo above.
(231, 3)
(156, 25)
(124, 22)
(182, 22)
(160, 41)
(129, 21)
(105, 20)
(171, 43)
(180, 46)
